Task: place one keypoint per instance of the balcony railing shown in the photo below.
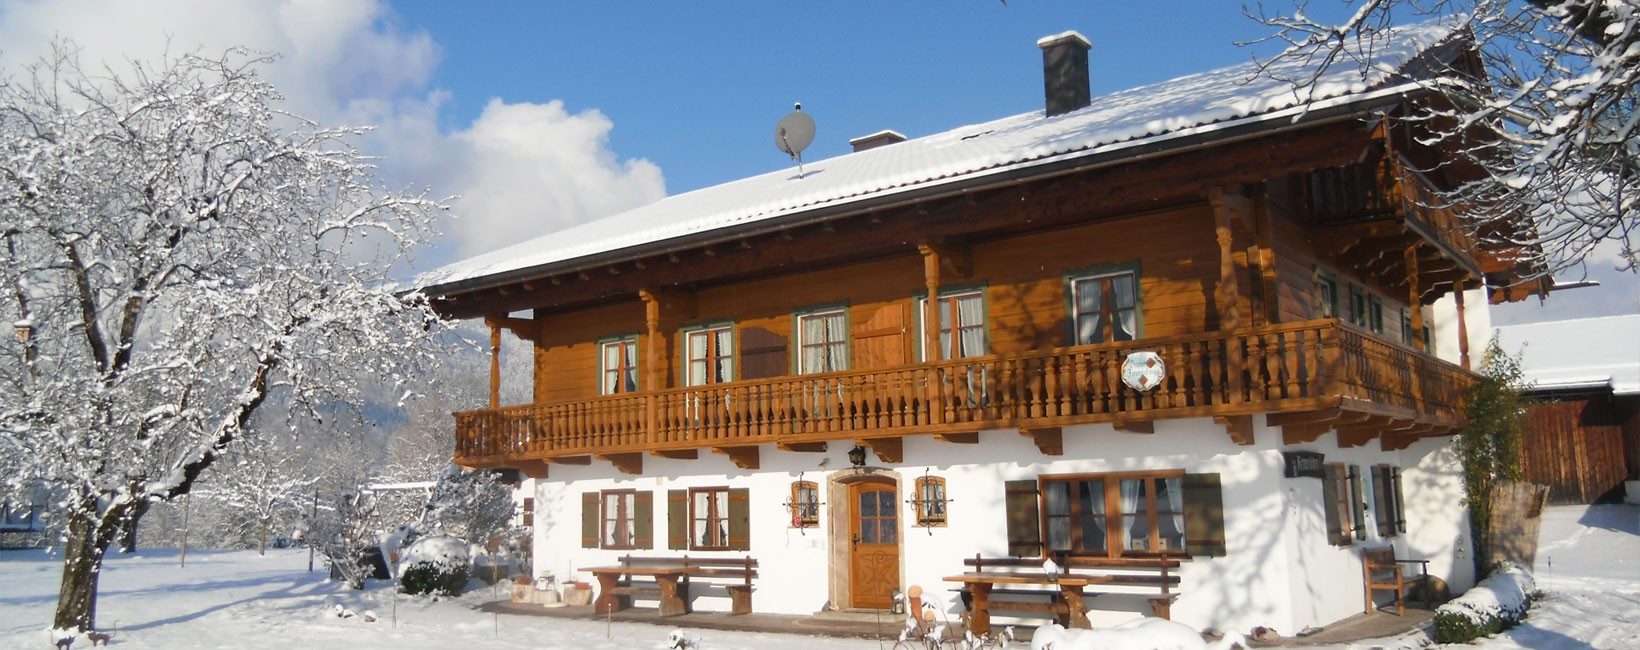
(1390, 187)
(1282, 368)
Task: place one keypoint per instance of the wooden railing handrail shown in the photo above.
(1259, 369)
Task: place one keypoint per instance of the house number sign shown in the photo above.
(1143, 371)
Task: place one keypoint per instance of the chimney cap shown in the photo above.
(878, 139)
(1068, 37)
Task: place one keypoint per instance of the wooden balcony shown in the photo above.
(1305, 377)
(1387, 220)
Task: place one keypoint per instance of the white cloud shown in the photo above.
(522, 169)
(531, 169)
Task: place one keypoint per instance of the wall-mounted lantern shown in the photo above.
(857, 456)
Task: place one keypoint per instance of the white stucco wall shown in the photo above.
(1279, 572)
(1477, 318)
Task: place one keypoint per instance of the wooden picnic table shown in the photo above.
(610, 596)
(979, 586)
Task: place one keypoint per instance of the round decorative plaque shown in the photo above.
(1143, 371)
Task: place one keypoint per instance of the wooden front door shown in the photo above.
(874, 558)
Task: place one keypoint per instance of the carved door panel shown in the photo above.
(874, 526)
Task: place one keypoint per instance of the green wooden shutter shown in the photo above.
(740, 527)
(677, 520)
(589, 520)
(1332, 503)
(1400, 505)
(643, 518)
(1024, 523)
(1383, 501)
(1358, 504)
(1204, 515)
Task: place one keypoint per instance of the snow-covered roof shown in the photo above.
(1188, 106)
(1582, 353)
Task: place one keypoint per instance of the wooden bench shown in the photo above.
(1064, 598)
(669, 579)
(1381, 571)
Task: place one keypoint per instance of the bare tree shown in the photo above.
(262, 481)
(1543, 105)
(177, 248)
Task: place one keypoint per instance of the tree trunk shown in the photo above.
(262, 537)
(89, 536)
(128, 528)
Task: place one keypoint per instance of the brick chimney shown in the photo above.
(1065, 72)
(878, 139)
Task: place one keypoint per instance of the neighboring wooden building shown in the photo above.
(756, 369)
(1582, 431)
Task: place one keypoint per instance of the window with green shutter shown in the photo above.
(1112, 515)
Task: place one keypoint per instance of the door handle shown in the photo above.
(856, 540)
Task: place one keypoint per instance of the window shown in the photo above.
(1118, 514)
(709, 356)
(962, 325)
(1358, 306)
(1375, 315)
(929, 502)
(1341, 494)
(1406, 327)
(619, 365)
(822, 341)
(1386, 499)
(805, 504)
(1326, 295)
(1104, 307)
(529, 511)
(619, 521)
(709, 519)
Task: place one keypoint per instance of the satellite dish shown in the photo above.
(794, 133)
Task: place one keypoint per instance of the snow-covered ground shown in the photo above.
(1588, 568)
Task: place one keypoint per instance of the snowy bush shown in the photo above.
(1497, 603)
(434, 565)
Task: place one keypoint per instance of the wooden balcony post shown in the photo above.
(652, 364)
(931, 329)
(495, 362)
(1414, 301)
(1227, 209)
(1416, 315)
(1463, 329)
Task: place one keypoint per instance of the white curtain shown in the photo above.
(1126, 316)
(814, 350)
(836, 342)
(630, 375)
(700, 510)
(1132, 496)
(945, 330)
(1093, 505)
(697, 359)
(1088, 296)
(1175, 502)
(971, 313)
(1059, 530)
(725, 365)
(612, 358)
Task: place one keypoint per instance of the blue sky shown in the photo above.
(697, 87)
(542, 115)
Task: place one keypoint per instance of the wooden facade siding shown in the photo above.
(1574, 445)
(1285, 368)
